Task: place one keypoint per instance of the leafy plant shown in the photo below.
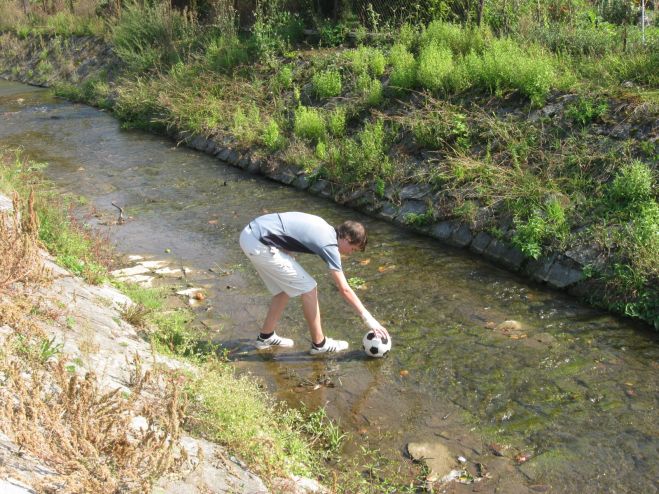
(371, 90)
(632, 186)
(272, 137)
(403, 74)
(435, 66)
(309, 123)
(336, 121)
(327, 84)
(586, 110)
(223, 53)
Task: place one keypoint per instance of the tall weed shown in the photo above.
(460, 40)
(152, 35)
(309, 124)
(403, 74)
(435, 67)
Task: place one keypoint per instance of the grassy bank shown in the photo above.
(540, 131)
(209, 399)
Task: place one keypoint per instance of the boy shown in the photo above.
(267, 241)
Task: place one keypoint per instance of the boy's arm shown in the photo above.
(351, 297)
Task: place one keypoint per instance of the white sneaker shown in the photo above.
(274, 340)
(330, 346)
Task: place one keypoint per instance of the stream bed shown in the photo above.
(569, 388)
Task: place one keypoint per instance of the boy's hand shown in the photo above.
(374, 325)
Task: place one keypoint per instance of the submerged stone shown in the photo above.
(436, 456)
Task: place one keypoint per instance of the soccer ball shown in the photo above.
(374, 346)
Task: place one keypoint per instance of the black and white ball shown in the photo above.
(375, 346)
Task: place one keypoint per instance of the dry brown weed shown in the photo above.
(83, 433)
(20, 260)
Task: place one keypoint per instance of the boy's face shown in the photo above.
(346, 248)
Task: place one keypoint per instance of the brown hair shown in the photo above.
(354, 232)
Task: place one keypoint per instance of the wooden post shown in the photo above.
(481, 5)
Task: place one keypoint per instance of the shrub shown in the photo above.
(246, 125)
(327, 84)
(371, 89)
(445, 129)
(366, 157)
(435, 66)
(224, 53)
(336, 122)
(576, 40)
(632, 186)
(151, 36)
(309, 124)
(458, 39)
(547, 223)
(403, 74)
(504, 65)
(271, 136)
(367, 60)
(284, 78)
(586, 110)
(407, 36)
(274, 28)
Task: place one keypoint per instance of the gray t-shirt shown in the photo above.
(299, 232)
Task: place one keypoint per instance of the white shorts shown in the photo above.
(279, 271)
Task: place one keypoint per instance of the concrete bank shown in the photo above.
(86, 326)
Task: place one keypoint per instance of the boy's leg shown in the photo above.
(277, 305)
(312, 315)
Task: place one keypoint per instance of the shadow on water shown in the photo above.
(572, 387)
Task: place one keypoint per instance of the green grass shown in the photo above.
(72, 244)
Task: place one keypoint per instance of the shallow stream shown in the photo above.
(575, 389)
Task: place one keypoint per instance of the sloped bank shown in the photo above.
(567, 270)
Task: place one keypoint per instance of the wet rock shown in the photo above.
(169, 272)
(480, 242)
(199, 143)
(509, 326)
(388, 211)
(233, 157)
(538, 269)
(413, 191)
(254, 165)
(298, 485)
(509, 256)
(319, 186)
(301, 182)
(133, 271)
(461, 237)
(285, 175)
(545, 338)
(443, 230)
(411, 207)
(436, 456)
(561, 275)
(243, 162)
(223, 154)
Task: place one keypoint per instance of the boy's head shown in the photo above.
(354, 232)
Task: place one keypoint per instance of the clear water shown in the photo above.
(577, 389)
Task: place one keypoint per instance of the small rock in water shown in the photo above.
(404, 373)
(199, 296)
(509, 326)
(522, 458)
(497, 449)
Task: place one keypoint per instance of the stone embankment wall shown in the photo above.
(82, 57)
